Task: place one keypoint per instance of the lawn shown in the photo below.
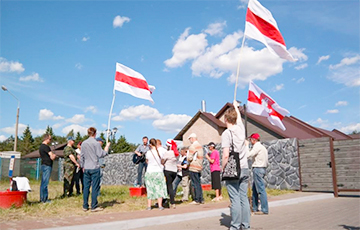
(114, 198)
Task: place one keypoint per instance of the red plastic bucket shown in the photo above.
(137, 191)
(9, 199)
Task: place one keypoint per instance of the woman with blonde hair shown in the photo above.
(154, 176)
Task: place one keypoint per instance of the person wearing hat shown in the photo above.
(70, 164)
(195, 157)
(259, 154)
(214, 159)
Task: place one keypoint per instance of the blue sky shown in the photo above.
(58, 58)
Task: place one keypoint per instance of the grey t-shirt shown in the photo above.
(237, 135)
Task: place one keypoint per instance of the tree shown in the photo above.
(78, 137)
(50, 131)
(27, 142)
(122, 146)
(8, 144)
(70, 134)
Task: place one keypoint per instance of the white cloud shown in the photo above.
(46, 114)
(216, 29)
(21, 127)
(322, 58)
(142, 112)
(57, 125)
(332, 111)
(78, 66)
(320, 123)
(302, 66)
(341, 103)
(298, 53)
(32, 77)
(91, 108)
(350, 128)
(119, 21)
(300, 80)
(278, 87)
(3, 138)
(346, 72)
(346, 62)
(85, 39)
(243, 4)
(6, 66)
(171, 123)
(76, 128)
(186, 48)
(77, 119)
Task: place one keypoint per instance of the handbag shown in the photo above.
(232, 169)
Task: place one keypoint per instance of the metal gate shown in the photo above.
(316, 164)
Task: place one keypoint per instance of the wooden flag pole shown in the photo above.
(112, 106)
(238, 68)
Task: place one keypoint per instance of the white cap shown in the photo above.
(192, 135)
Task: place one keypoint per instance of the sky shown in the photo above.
(58, 59)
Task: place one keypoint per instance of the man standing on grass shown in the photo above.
(141, 150)
(91, 151)
(47, 158)
(70, 166)
(260, 161)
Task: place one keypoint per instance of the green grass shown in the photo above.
(114, 198)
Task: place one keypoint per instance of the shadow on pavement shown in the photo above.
(225, 220)
(349, 227)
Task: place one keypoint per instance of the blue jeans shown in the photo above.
(46, 172)
(258, 189)
(176, 183)
(141, 167)
(196, 181)
(240, 207)
(91, 177)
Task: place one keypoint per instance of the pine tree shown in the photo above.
(27, 142)
(78, 137)
(70, 134)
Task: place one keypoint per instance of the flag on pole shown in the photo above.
(260, 25)
(261, 104)
(129, 81)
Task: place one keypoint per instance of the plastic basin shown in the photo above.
(9, 199)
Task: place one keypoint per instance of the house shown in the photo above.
(209, 127)
(58, 150)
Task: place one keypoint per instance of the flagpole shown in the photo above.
(112, 105)
(238, 67)
(246, 133)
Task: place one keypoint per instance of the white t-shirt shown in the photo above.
(154, 162)
(170, 161)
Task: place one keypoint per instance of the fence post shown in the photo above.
(333, 167)
(0, 168)
(37, 168)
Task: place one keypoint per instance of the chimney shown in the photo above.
(203, 106)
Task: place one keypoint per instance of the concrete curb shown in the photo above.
(160, 220)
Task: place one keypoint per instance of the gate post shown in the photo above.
(298, 152)
(333, 167)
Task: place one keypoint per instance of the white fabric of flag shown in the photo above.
(259, 103)
(260, 25)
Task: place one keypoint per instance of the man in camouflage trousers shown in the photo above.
(70, 166)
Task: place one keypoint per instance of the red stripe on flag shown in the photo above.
(132, 81)
(253, 98)
(264, 27)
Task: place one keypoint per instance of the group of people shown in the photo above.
(83, 164)
(166, 168)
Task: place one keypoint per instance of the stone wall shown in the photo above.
(282, 173)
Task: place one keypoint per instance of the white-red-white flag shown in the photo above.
(129, 81)
(260, 25)
(261, 104)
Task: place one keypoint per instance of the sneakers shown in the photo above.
(161, 208)
(194, 202)
(85, 209)
(260, 213)
(97, 209)
(148, 209)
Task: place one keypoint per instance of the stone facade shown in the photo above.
(282, 173)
